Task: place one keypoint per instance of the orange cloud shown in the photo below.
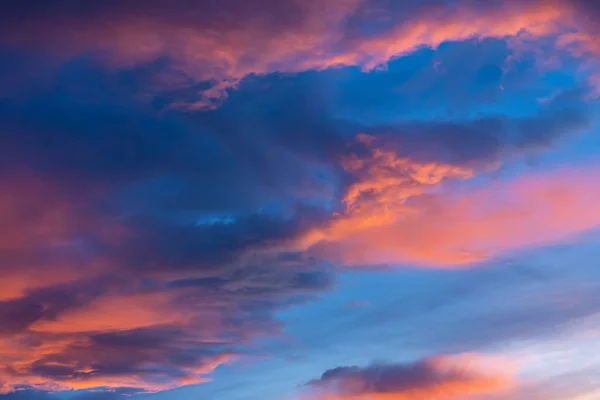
(116, 313)
(62, 328)
(84, 306)
(398, 212)
(21, 357)
(436, 25)
(115, 341)
(446, 377)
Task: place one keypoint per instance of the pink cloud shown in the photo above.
(37, 219)
(77, 311)
(398, 212)
(226, 43)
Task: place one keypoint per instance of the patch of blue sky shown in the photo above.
(416, 86)
(488, 307)
(407, 313)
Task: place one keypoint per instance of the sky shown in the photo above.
(299, 200)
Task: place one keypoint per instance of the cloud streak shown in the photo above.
(443, 377)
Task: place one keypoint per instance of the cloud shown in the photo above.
(490, 138)
(44, 235)
(214, 43)
(218, 45)
(135, 245)
(134, 302)
(440, 378)
(114, 139)
(80, 337)
(166, 339)
(398, 212)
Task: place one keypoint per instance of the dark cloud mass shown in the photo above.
(169, 170)
(427, 378)
(490, 138)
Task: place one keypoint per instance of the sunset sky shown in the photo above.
(299, 200)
